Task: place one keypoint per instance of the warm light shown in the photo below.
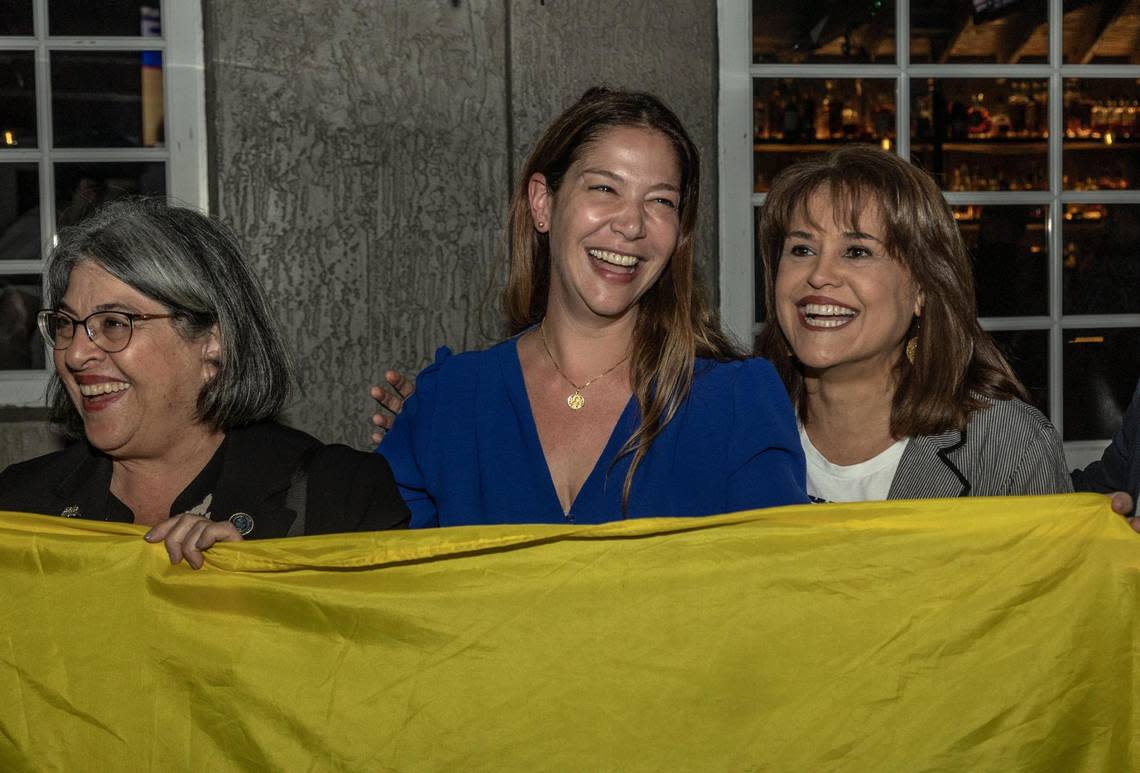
(1108, 138)
(1087, 340)
(886, 143)
(9, 138)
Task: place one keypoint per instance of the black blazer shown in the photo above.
(345, 490)
(1119, 467)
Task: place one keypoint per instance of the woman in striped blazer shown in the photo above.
(872, 324)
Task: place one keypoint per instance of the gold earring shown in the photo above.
(541, 224)
(912, 349)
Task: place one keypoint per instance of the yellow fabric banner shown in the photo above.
(982, 634)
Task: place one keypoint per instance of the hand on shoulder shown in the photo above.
(391, 399)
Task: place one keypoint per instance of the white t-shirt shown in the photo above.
(863, 482)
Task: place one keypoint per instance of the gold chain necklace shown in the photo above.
(575, 401)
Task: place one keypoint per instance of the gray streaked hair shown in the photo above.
(193, 266)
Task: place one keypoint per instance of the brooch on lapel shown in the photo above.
(71, 511)
(243, 522)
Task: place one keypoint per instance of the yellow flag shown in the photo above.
(941, 635)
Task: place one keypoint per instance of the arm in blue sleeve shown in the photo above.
(406, 446)
(765, 458)
(1111, 472)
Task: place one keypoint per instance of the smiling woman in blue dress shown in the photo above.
(872, 324)
(617, 394)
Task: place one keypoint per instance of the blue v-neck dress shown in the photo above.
(465, 449)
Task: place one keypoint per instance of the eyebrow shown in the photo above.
(845, 235)
(101, 307)
(861, 235)
(619, 178)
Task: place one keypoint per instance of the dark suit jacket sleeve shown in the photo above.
(1114, 471)
(351, 490)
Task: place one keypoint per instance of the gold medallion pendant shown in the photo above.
(575, 401)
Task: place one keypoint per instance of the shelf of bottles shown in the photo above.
(794, 116)
(1056, 251)
(972, 134)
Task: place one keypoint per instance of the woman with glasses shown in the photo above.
(169, 369)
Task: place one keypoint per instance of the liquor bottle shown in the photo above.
(851, 113)
(807, 117)
(884, 117)
(775, 114)
(835, 117)
(1041, 100)
(1072, 117)
(1018, 107)
(1116, 119)
(823, 114)
(1099, 112)
(865, 127)
(793, 125)
(958, 121)
(924, 120)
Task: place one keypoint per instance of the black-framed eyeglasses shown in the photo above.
(109, 330)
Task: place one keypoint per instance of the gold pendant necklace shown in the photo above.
(576, 401)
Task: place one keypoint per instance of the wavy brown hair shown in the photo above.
(958, 367)
(674, 324)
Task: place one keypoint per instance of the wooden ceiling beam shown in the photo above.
(1016, 32)
(964, 23)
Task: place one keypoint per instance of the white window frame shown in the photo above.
(184, 153)
(738, 202)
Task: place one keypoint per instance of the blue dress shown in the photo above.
(465, 449)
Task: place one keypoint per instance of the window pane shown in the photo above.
(21, 347)
(1011, 258)
(1101, 259)
(1100, 374)
(1102, 134)
(823, 32)
(19, 212)
(1100, 32)
(106, 17)
(981, 134)
(994, 31)
(82, 188)
(1027, 352)
(796, 117)
(17, 99)
(16, 17)
(107, 99)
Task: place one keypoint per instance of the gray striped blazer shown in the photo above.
(1009, 448)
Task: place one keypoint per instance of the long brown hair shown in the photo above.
(674, 323)
(957, 367)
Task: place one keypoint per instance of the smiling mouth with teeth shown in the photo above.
(615, 259)
(827, 314)
(104, 388)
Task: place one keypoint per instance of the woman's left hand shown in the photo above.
(187, 535)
